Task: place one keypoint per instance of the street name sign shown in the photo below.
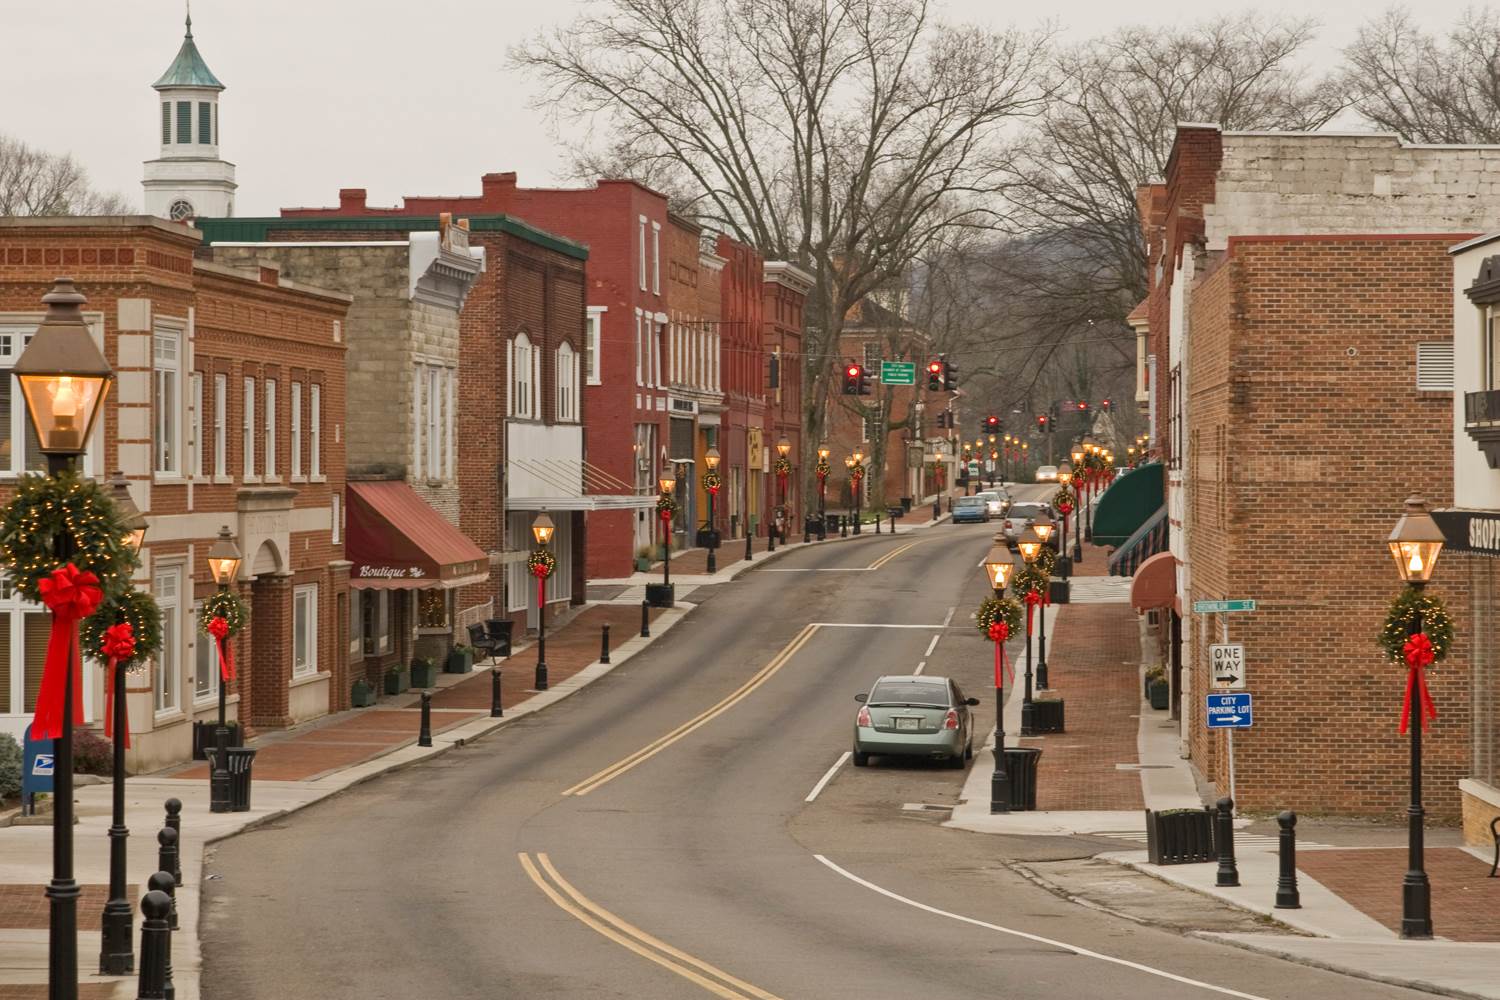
(1229, 711)
(898, 373)
(1227, 660)
(1221, 607)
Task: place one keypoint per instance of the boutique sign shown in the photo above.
(1470, 531)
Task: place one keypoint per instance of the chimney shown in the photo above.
(497, 191)
(352, 199)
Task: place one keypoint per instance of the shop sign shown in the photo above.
(1473, 531)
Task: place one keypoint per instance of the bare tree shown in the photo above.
(847, 136)
(1404, 80)
(36, 182)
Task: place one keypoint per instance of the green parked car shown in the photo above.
(907, 715)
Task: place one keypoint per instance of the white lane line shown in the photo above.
(870, 625)
(827, 777)
(920, 667)
(933, 644)
(831, 569)
(1082, 952)
(948, 617)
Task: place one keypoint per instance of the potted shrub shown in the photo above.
(396, 680)
(1158, 691)
(460, 660)
(643, 559)
(362, 695)
(423, 673)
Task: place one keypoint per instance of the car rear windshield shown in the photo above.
(970, 502)
(919, 692)
(1026, 510)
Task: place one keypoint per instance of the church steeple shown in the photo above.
(189, 179)
(188, 69)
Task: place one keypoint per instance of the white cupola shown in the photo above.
(189, 180)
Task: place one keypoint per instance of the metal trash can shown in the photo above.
(835, 522)
(1020, 765)
(240, 761)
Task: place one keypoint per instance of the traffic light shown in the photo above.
(1041, 422)
(992, 424)
(950, 375)
(851, 380)
(1104, 405)
(865, 388)
(934, 376)
(1083, 406)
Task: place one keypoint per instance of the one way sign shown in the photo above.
(1228, 663)
(1229, 711)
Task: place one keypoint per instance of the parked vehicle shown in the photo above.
(1020, 516)
(1046, 473)
(997, 500)
(907, 715)
(970, 509)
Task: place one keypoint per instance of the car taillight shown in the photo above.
(863, 719)
(1009, 524)
(950, 721)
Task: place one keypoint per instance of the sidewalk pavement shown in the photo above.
(1119, 757)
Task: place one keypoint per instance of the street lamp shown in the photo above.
(64, 379)
(855, 465)
(541, 530)
(116, 953)
(1065, 478)
(223, 563)
(823, 469)
(711, 459)
(1415, 544)
(668, 486)
(1030, 546)
(1044, 527)
(999, 566)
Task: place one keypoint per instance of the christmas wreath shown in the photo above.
(132, 607)
(226, 605)
(783, 467)
(666, 507)
(541, 563)
(857, 473)
(1046, 560)
(1064, 500)
(1404, 610)
(1028, 580)
(711, 482)
(998, 609)
(45, 506)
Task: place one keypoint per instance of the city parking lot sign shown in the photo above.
(1229, 711)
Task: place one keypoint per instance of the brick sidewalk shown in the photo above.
(25, 907)
(1465, 902)
(1091, 662)
(364, 733)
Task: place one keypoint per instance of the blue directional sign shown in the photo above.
(1229, 711)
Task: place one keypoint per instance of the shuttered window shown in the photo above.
(184, 122)
(1435, 366)
(166, 123)
(205, 124)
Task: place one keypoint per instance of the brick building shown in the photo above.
(1300, 319)
(206, 357)
(695, 403)
(519, 409)
(747, 450)
(409, 560)
(785, 288)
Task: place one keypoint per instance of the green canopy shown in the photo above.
(1129, 503)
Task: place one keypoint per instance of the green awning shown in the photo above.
(1150, 539)
(1129, 503)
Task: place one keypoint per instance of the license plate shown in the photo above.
(908, 722)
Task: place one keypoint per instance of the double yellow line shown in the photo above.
(739, 694)
(893, 554)
(627, 935)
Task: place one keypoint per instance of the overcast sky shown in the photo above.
(397, 96)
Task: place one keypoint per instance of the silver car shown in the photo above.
(1020, 516)
(909, 715)
(998, 501)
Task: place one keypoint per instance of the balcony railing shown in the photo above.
(1482, 422)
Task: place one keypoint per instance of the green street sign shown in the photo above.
(1221, 607)
(898, 373)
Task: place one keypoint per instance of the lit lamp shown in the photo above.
(63, 375)
(1000, 564)
(1078, 454)
(542, 529)
(1065, 474)
(224, 563)
(1030, 544)
(131, 517)
(668, 486)
(1415, 544)
(783, 447)
(1044, 526)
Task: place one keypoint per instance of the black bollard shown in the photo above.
(1287, 896)
(604, 643)
(424, 734)
(174, 820)
(1228, 874)
(162, 882)
(749, 546)
(156, 942)
(645, 620)
(771, 539)
(497, 710)
(877, 524)
(167, 855)
(937, 507)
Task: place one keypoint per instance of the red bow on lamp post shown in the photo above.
(119, 644)
(218, 627)
(1419, 654)
(71, 594)
(999, 632)
(1032, 600)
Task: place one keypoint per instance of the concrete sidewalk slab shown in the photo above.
(1448, 968)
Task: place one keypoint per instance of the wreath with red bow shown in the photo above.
(1410, 607)
(44, 507)
(666, 507)
(135, 608)
(541, 563)
(226, 605)
(1064, 499)
(711, 482)
(783, 467)
(998, 610)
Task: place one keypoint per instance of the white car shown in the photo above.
(1046, 474)
(998, 501)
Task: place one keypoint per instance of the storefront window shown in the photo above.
(432, 609)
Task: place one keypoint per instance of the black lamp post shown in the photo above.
(999, 565)
(823, 452)
(711, 459)
(1080, 483)
(64, 378)
(668, 486)
(1415, 543)
(1065, 562)
(116, 951)
(1044, 526)
(1030, 546)
(541, 529)
(994, 461)
(783, 451)
(224, 563)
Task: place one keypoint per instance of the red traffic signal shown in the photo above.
(936, 367)
(852, 380)
(1041, 421)
(1083, 404)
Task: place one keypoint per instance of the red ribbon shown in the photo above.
(999, 632)
(1066, 508)
(666, 514)
(119, 644)
(218, 627)
(714, 490)
(541, 591)
(71, 594)
(1419, 653)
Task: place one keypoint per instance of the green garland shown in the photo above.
(44, 507)
(138, 608)
(1065, 495)
(783, 467)
(1402, 616)
(711, 481)
(1028, 579)
(541, 559)
(666, 506)
(1003, 609)
(225, 604)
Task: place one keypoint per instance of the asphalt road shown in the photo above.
(692, 863)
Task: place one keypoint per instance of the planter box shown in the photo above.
(423, 675)
(460, 661)
(1180, 836)
(396, 682)
(708, 538)
(1047, 715)
(1059, 591)
(661, 595)
(362, 695)
(642, 564)
(203, 737)
(1159, 693)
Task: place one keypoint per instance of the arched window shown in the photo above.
(567, 384)
(522, 365)
(182, 210)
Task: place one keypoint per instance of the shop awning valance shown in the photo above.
(1155, 583)
(1149, 539)
(396, 541)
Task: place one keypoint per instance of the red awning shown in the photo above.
(1155, 583)
(396, 541)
